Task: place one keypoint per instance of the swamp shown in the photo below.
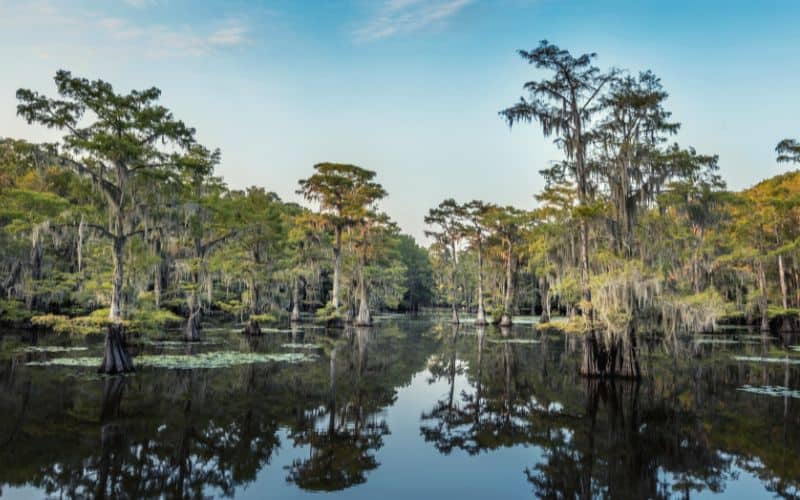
(176, 322)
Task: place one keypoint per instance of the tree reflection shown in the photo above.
(342, 438)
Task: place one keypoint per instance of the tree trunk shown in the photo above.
(763, 304)
(115, 354)
(544, 293)
(81, 237)
(364, 318)
(782, 275)
(480, 319)
(117, 279)
(508, 298)
(252, 328)
(295, 301)
(192, 331)
(453, 286)
(337, 265)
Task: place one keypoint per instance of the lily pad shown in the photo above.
(51, 348)
(178, 343)
(515, 341)
(717, 341)
(771, 390)
(758, 359)
(218, 359)
(301, 346)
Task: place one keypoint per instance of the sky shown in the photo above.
(410, 88)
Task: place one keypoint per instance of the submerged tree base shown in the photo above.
(611, 358)
(252, 329)
(192, 331)
(116, 359)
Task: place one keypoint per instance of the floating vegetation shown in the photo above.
(278, 330)
(218, 359)
(712, 340)
(301, 346)
(515, 341)
(178, 343)
(795, 348)
(719, 341)
(758, 359)
(51, 348)
(771, 390)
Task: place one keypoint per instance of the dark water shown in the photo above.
(406, 409)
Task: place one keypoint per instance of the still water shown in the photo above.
(409, 408)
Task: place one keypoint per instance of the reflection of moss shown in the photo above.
(570, 326)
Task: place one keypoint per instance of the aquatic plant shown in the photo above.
(301, 346)
(51, 348)
(759, 359)
(207, 360)
(771, 390)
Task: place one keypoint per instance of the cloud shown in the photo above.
(231, 35)
(139, 4)
(395, 17)
(77, 30)
(167, 41)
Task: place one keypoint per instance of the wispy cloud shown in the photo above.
(168, 41)
(139, 4)
(91, 30)
(395, 17)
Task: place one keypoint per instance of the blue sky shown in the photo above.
(410, 88)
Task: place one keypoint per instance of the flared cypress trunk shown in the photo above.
(252, 328)
(364, 318)
(295, 301)
(544, 292)
(191, 333)
(115, 354)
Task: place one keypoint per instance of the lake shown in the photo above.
(409, 408)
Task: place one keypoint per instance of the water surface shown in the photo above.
(410, 408)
